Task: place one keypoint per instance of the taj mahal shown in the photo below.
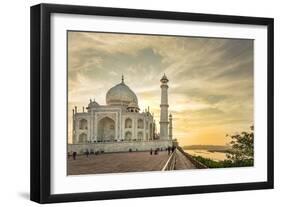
(119, 125)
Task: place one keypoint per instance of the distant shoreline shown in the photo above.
(210, 148)
(221, 151)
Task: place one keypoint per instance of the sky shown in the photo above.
(210, 79)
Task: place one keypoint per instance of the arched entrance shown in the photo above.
(106, 129)
(82, 138)
(128, 136)
(128, 123)
(140, 136)
(83, 124)
(140, 124)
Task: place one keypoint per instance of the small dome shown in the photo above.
(133, 105)
(121, 94)
(93, 104)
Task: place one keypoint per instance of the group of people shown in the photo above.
(155, 152)
(87, 153)
(169, 149)
(72, 154)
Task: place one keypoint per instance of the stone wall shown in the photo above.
(119, 146)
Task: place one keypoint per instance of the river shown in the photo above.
(217, 156)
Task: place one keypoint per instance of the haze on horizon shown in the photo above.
(210, 87)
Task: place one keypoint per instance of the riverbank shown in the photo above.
(213, 155)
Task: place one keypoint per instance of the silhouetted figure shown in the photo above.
(151, 151)
(156, 152)
(169, 150)
(87, 153)
(74, 155)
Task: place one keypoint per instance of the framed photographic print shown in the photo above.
(133, 103)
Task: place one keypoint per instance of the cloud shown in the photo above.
(211, 79)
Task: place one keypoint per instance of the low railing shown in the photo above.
(196, 163)
(171, 162)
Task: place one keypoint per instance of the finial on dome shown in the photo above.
(122, 78)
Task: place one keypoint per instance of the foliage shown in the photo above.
(212, 163)
(242, 153)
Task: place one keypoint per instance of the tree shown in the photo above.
(242, 149)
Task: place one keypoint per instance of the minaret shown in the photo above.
(154, 129)
(164, 108)
(170, 127)
(73, 127)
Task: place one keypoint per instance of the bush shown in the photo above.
(223, 164)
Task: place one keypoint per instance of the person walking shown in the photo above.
(74, 155)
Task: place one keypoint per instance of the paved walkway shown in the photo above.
(117, 163)
(182, 163)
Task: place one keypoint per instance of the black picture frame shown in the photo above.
(41, 102)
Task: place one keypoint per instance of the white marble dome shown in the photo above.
(121, 94)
